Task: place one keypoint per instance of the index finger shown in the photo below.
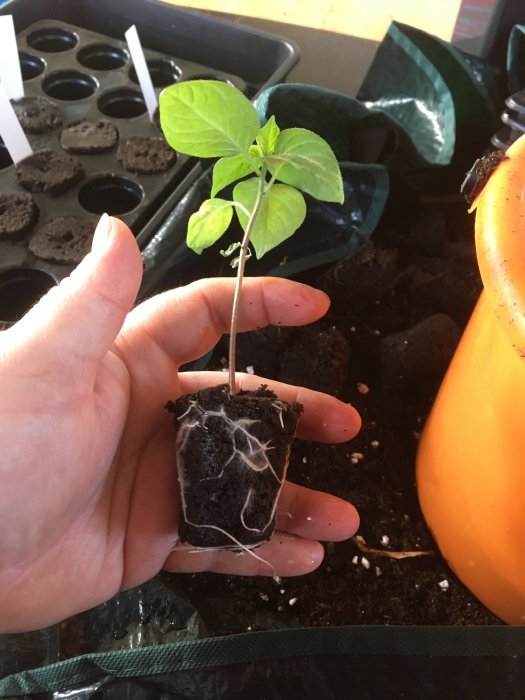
(187, 322)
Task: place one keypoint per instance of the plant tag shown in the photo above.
(10, 72)
(141, 67)
(11, 130)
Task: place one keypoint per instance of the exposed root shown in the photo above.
(242, 548)
(360, 543)
(244, 445)
(280, 407)
(246, 450)
(243, 511)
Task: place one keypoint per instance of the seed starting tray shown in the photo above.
(87, 72)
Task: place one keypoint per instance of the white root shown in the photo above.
(279, 406)
(247, 450)
(254, 453)
(243, 511)
(360, 543)
(244, 548)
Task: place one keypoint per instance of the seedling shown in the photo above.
(245, 438)
(212, 119)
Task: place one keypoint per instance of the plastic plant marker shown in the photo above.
(141, 67)
(11, 131)
(470, 465)
(10, 72)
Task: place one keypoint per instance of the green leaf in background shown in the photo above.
(207, 225)
(207, 118)
(267, 136)
(282, 211)
(303, 159)
(228, 170)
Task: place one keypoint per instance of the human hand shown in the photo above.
(89, 499)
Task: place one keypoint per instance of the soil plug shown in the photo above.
(357, 281)
(233, 448)
(419, 354)
(246, 440)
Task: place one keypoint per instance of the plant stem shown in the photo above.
(243, 255)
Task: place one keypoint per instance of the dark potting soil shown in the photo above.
(399, 305)
(231, 487)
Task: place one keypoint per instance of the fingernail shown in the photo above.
(102, 235)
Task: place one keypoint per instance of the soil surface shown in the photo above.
(398, 308)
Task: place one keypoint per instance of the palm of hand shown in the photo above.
(58, 511)
(90, 496)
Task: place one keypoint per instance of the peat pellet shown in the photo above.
(317, 359)
(146, 155)
(64, 239)
(87, 137)
(49, 171)
(361, 279)
(419, 354)
(37, 115)
(449, 284)
(18, 214)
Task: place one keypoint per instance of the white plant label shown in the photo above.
(141, 67)
(11, 130)
(10, 73)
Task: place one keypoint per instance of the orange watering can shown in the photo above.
(471, 457)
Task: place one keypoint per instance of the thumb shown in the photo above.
(81, 317)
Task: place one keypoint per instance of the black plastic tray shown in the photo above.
(179, 44)
(88, 75)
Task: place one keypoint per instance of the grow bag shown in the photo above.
(147, 643)
(345, 662)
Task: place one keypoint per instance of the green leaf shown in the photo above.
(282, 211)
(267, 136)
(227, 170)
(256, 155)
(207, 118)
(207, 225)
(305, 160)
